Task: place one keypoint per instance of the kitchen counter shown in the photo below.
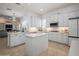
(36, 43)
(34, 34)
(74, 48)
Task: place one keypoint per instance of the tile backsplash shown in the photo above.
(48, 29)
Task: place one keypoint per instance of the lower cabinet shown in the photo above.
(53, 36)
(71, 39)
(64, 38)
(15, 39)
(58, 37)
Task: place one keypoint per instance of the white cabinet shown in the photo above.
(73, 27)
(43, 23)
(35, 21)
(51, 18)
(60, 19)
(50, 36)
(58, 37)
(53, 36)
(77, 13)
(72, 14)
(63, 19)
(66, 20)
(71, 39)
(38, 22)
(64, 38)
(16, 38)
(78, 28)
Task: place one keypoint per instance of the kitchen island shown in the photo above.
(15, 38)
(36, 43)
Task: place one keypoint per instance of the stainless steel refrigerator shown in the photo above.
(73, 29)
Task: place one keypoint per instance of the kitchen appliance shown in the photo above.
(73, 29)
(8, 27)
(54, 24)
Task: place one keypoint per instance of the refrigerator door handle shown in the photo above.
(73, 37)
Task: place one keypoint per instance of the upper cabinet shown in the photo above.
(63, 19)
(53, 18)
(62, 15)
(60, 20)
(50, 18)
(43, 23)
(73, 14)
(35, 21)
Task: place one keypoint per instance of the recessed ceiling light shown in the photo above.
(41, 9)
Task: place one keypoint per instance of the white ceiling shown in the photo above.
(33, 7)
(46, 7)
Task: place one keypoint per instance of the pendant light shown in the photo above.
(14, 17)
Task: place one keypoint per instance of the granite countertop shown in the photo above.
(35, 34)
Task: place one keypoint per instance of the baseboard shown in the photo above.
(16, 45)
(58, 42)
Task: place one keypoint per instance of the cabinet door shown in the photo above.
(35, 21)
(32, 21)
(16, 39)
(66, 19)
(43, 23)
(54, 18)
(13, 40)
(70, 40)
(60, 19)
(78, 28)
(72, 14)
(77, 13)
(73, 27)
(64, 38)
(54, 36)
(57, 36)
(50, 36)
